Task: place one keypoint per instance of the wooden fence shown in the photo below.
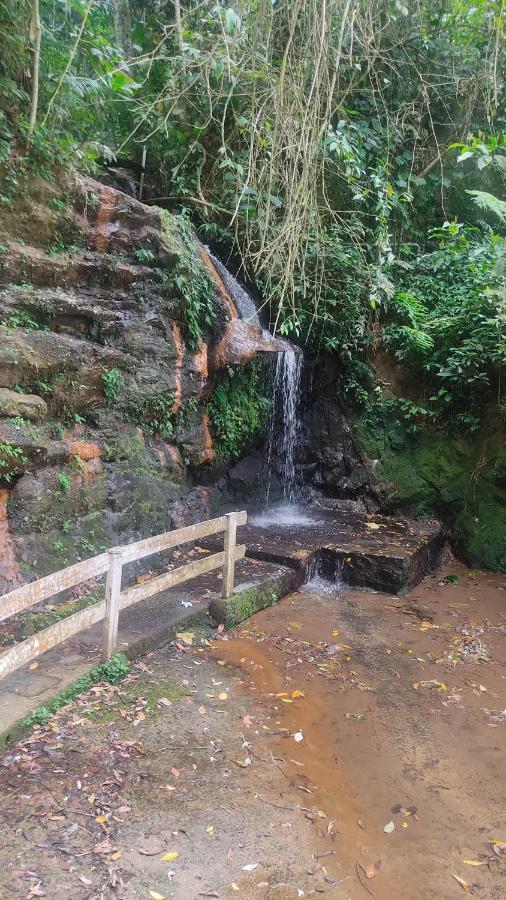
(111, 564)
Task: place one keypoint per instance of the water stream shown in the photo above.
(243, 302)
(284, 426)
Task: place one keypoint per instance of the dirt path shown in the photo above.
(197, 754)
(394, 716)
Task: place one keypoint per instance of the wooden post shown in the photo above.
(112, 598)
(229, 563)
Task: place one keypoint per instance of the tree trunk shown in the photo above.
(35, 37)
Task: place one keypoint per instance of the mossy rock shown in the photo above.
(248, 599)
(459, 479)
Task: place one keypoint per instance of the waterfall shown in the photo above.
(243, 302)
(283, 430)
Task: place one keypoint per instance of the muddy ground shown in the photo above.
(342, 743)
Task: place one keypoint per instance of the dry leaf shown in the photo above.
(186, 637)
(171, 856)
(156, 896)
(464, 885)
(372, 869)
(223, 696)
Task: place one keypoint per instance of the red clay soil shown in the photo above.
(403, 721)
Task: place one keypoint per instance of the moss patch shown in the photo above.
(461, 480)
(246, 601)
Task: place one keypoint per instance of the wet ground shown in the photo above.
(349, 744)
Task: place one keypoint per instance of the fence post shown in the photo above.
(229, 564)
(112, 598)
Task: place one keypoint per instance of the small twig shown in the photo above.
(368, 889)
(278, 805)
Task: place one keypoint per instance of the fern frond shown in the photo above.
(491, 204)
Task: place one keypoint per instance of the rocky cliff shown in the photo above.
(371, 460)
(115, 329)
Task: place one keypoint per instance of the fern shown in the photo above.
(489, 203)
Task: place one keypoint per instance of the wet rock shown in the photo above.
(239, 344)
(26, 406)
(247, 479)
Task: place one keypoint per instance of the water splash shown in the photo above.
(283, 431)
(319, 582)
(243, 302)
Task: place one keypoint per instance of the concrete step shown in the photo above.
(377, 552)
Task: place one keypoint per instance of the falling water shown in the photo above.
(283, 429)
(243, 302)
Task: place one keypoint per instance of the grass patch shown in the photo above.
(111, 671)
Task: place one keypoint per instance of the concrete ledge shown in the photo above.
(250, 597)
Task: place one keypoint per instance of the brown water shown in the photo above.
(373, 742)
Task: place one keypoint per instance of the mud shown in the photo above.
(399, 703)
(376, 739)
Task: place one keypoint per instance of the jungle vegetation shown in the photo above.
(347, 157)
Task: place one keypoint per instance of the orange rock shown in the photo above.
(83, 450)
(239, 344)
(220, 287)
(178, 365)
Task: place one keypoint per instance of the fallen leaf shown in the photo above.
(156, 896)
(249, 867)
(223, 696)
(171, 856)
(186, 637)
(34, 665)
(295, 625)
(476, 862)
(243, 763)
(372, 869)
(116, 855)
(235, 887)
(361, 824)
(297, 694)
(464, 885)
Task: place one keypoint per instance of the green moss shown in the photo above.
(33, 622)
(244, 603)
(461, 480)
(151, 695)
(238, 409)
(111, 671)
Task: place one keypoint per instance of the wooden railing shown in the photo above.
(111, 564)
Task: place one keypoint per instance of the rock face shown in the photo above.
(353, 465)
(104, 432)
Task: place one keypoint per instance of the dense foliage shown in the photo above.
(238, 409)
(321, 145)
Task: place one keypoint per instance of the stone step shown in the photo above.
(379, 552)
